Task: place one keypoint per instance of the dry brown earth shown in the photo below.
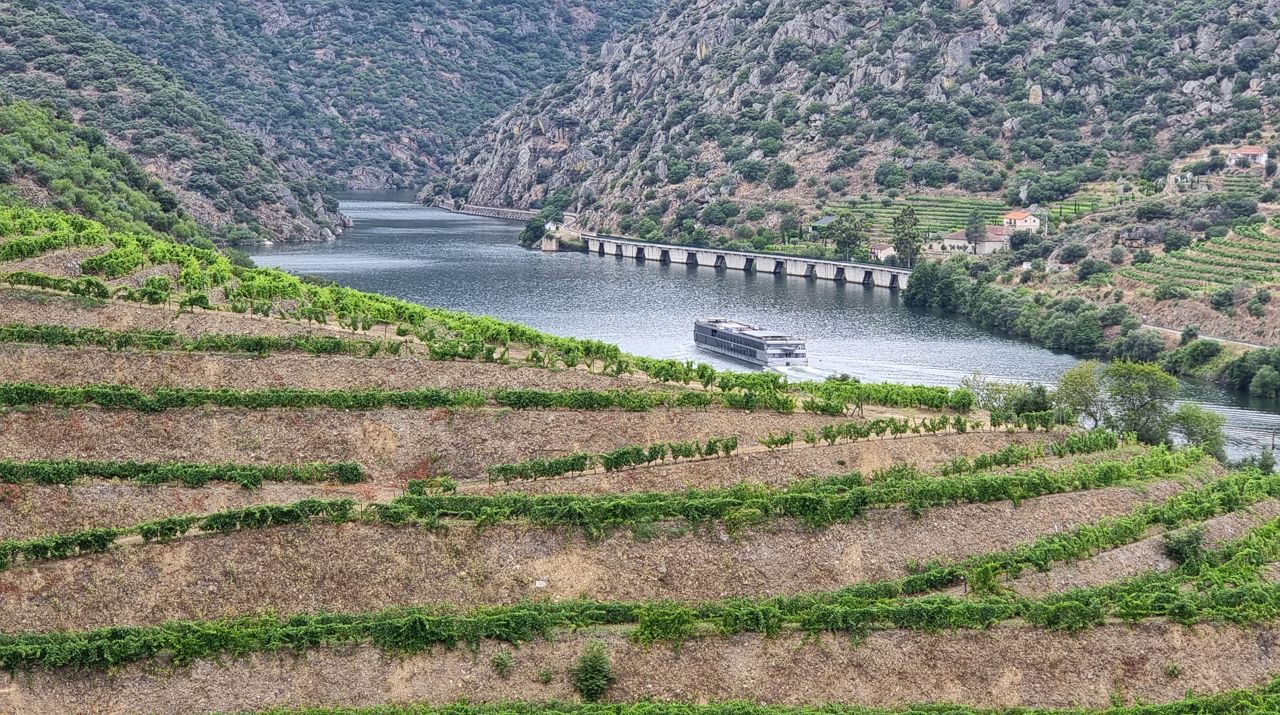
(392, 444)
(777, 468)
(39, 307)
(152, 369)
(32, 510)
(361, 567)
(1142, 557)
(1010, 665)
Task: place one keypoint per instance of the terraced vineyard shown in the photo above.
(938, 214)
(225, 489)
(1246, 183)
(1248, 254)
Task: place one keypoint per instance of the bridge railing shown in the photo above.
(749, 254)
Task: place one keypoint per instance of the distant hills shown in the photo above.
(777, 104)
(362, 93)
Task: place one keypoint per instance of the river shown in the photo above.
(474, 264)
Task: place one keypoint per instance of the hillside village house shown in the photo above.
(1022, 221)
(881, 251)
(1249, 154)
(996, 238)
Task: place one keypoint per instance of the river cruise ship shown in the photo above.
(766, 348)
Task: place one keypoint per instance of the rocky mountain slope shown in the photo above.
(220, 175)
(366, 94)
(778, 101)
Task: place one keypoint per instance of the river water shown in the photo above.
(474, 264)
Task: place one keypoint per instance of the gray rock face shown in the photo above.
(724, 85)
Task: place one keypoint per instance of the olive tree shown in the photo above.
(1139, 397)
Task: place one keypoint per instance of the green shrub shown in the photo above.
(592, 674)
(502, 663)
(1183, 545)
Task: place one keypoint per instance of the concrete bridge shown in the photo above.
(868, 274)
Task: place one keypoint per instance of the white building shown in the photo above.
(881, 251)
(1249, 154)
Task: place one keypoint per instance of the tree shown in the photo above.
(783, 176)
(1072, 252)
(1139, 397)
(848, 233)
(975, 230)
(1198, 426)
(1265, 382)
(1143, 345)
(907, 239)
(1080, 390)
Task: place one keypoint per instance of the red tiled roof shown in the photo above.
(1017, 215)
(1249, 149)
(881, 246)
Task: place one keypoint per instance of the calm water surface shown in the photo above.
(474, 264)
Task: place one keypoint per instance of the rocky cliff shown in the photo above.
(781, 101)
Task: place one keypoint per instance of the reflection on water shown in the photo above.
(474, 264)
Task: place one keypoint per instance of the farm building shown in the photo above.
(1248, 155)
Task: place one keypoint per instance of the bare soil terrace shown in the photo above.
(35, 510)
(359, 567)
(393, 445)
(151, 369)
(1007, 666)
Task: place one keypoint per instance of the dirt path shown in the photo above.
(757, 464)
(1178, 334)
(1142, 557)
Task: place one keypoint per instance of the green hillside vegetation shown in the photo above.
(363, 92)
(219, 175)
(76, 170)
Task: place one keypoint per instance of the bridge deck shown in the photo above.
(882, 276)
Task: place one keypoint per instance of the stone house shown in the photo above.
(995, 239)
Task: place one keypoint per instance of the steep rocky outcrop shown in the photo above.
(780, 100)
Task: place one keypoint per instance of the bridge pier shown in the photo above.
(828, 272)
(771, 266)
(737, 262)
(681, 256)
(798, 268)
(628, 250)
(709, 259)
